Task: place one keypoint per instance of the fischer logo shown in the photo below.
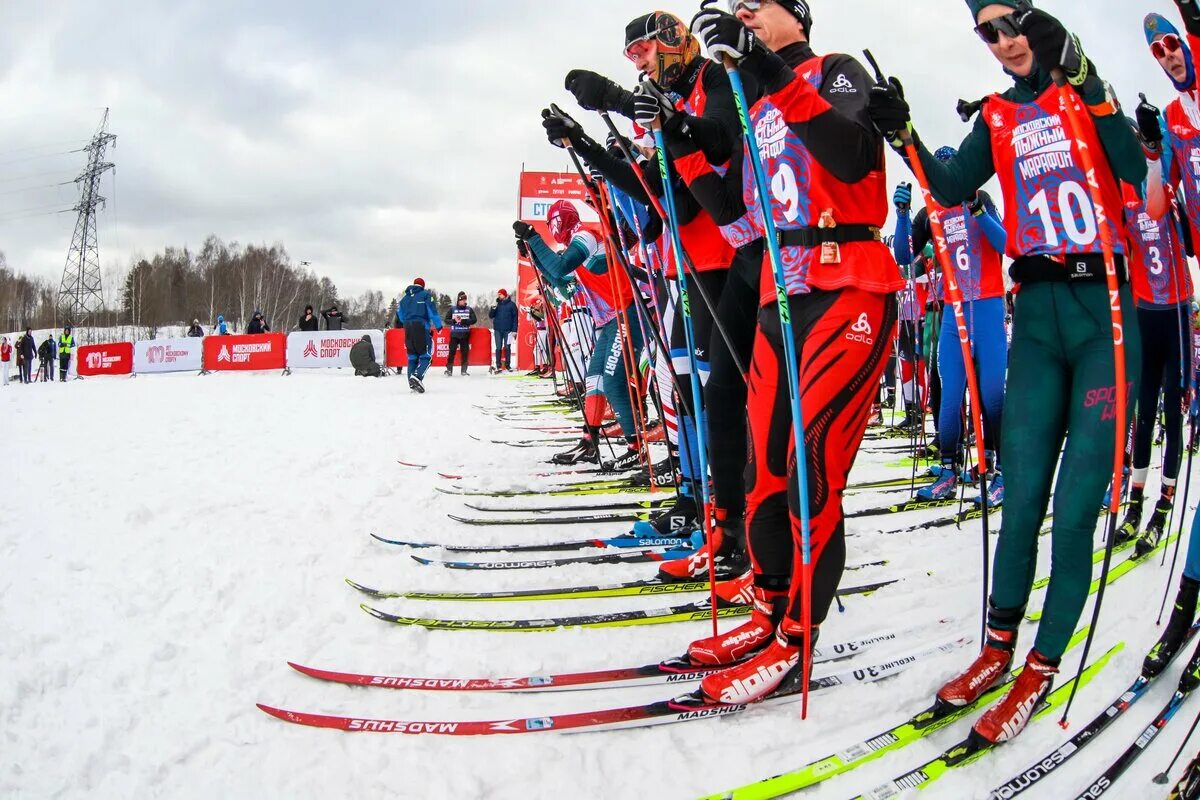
(861, 331)
(771, 132)
(843, 86)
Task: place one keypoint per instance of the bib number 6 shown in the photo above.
(1074, 208)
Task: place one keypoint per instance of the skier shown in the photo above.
(976, 239)
(541, 346)
(1162, 289)
(66, 343)
(910, 334)
(460, 318)
(840, 283)
(1182, 125)
(585, 260)
(1060, 382)
(416, 314)
(504, 328)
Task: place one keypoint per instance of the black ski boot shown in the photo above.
(1190, 678)
(670, 521)
(1154, 529)
(583, 453)
(628, 460)
(912, 419)
(1129, 527)
(1182, 615)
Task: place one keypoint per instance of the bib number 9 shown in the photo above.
(786, 192)
(1078, 219)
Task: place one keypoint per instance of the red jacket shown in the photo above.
(5, 352)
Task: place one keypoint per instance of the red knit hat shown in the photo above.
(502, 293)
(419, 282)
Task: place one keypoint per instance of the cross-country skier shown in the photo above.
(975, 237)
(1060, 381)
(911, 302)
(416, 313)
(840, 284)
(585, 261)
(1162, 288)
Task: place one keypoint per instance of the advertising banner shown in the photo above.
(261, 351)
(325, 349)
(115, 358)
(480, 355)
(168, 355)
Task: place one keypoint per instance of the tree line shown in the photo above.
(227, 279)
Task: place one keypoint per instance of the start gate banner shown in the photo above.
(246, 352)
(325, 349)
(169, 355)
(480, 355)
(115, 358)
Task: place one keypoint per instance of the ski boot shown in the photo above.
(1154, 529)
(1190, 678)
(912, 421)
(729, 562)
(889, 399)
(876, 419)
(774, 668)
(727, 649)
(670, 521)
(628, 460)
(1128, 529)
(415, 384)
(988, 669)
(995, 492)
(1005, 720)
(1183, 613)
(943, 487)
(584, 452)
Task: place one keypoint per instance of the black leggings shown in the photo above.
(1161, 330)
(456, 344)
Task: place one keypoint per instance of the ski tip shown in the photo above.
(303, 670)
(359, 587)
(425, 562)
(374, 612)
(402, 543)
(278, 713)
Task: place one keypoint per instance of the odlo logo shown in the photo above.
(861, 331)
(843, 86)
(771, 132)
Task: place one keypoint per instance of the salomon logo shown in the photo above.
(843, 86)
(861, 331)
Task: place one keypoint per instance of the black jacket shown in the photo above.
(309, 324)
(258, 326)
(333, 319)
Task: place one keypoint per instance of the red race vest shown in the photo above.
(1047, 204)
(802, 190)
(1155, 257)
(1185, 160)
(978, 267)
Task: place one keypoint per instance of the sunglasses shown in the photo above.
(1169, 43)
(990, 31)
(749, 5)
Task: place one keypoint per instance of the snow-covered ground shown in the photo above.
(167, 543)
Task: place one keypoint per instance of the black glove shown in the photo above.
(1147, 120)
(1190, 12)
(1053, 46)
(723, 34)
(596, 92)
(523, 230)
(522, 248)
(560, 126)
(889, 110)
(649, 104)
(977, 207)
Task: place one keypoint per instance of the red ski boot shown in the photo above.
(732, 646)
(762, 674)
(731, 560)
(1005, 720)
(987, 670)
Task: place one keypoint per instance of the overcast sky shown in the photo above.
(381, 141)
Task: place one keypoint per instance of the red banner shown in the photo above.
(539, 191)
(261, 351)
(105, 359)
(480, 355)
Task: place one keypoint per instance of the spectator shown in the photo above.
(66, 343)
(504, 326)
(46, 360)
(195, 332)
(333, 318)
(416, 313)
(258, 324)
(25, 350)
(309, 322)
(5, 359)
(222, 327)
(362, 358)
(460, 318)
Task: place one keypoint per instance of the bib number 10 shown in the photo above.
(1074, 208)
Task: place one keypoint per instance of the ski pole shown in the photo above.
(792, 363)
(1163, 778)
(690, 338)
(954, 296)
(1068, 101)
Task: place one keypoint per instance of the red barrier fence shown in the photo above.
(261, 351)
(115, 358)
(480, 356)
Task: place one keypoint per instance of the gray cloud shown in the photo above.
(383, 141)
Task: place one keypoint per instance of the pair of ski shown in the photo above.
(681, 708)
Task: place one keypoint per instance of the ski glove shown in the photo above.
(723, 34)
(1053, 46)
(1147, 122)
(889, 110)
(649, 103)
(522, 248)
(902, 198)
(597, 93)
(560, 126)
(1190, 12)
(524, 231)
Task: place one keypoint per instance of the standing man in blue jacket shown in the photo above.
(504, 325)
(416, 313)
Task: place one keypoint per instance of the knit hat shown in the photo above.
(979, 5)
(502, 293)
(800, 11)
(1157, 26)
(462, 295)
(944, 154)
(419, 282)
